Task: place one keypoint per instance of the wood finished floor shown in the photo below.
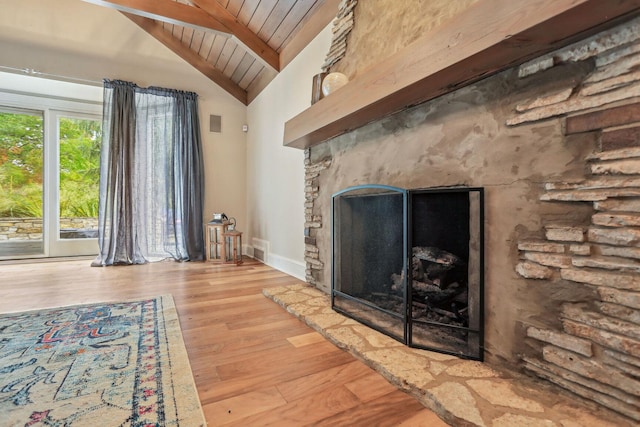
(254, 364)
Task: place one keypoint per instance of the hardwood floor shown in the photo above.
(254, 364)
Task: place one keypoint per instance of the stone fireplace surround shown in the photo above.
(555, 145)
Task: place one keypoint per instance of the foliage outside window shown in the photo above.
(21, 166)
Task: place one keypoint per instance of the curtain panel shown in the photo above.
(151, 176)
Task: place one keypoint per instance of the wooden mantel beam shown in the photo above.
(167, 11)
(490, 36)
(155, 29)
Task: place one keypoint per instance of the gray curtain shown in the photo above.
(151, 176)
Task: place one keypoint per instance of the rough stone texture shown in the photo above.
(620, 138)
(541, 246)
(580, 314)
(31, 228)
(629, 205)
(629, 299)
(625, 167)
(312, 222)
(576, 103)
(562, 340)
(580, 249)
(616, 220)
(342, 26)
(461, 392)
(460, 139)
(603, 119)
(587, 388)
(543, 101)
(609, 258)
(549, 260)
(617, 236)
(589, 368)
(590, 195)
(624, 313)
(628, 360)
(532, 270)
(462, 404)
(565, 234)
(373, 39)
(608, 263)
(620, 252)
(603, 182)
(611, 81)
(625, 153)
(604, 338)
(605, 46)
(501, 393)
(602, 278)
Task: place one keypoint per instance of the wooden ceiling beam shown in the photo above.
(155, 29)
(168, 11)
(318, 17)
(242, 35)
(321, 15)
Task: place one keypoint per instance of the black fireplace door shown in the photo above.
(409, 263)
(369, 241)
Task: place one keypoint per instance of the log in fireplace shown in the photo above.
(409, 263)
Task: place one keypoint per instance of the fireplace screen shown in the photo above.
(409, 263)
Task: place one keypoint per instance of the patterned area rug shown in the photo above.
(115, 364)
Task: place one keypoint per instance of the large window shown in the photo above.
(49, 175)
(21, 181)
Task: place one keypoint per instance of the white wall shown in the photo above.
(71, 38)
(275, 174)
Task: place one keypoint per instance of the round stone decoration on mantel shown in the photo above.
(333, 82)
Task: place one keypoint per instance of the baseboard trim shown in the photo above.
(286, 265)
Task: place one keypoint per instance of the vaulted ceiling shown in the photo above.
(240, 45)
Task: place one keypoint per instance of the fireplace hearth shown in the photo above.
(409, 263)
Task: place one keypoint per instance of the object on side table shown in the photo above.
(316, 88)
(218, 218)
(214, 244)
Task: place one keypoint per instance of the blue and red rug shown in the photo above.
(115, 364)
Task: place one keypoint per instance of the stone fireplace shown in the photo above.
(555, 145)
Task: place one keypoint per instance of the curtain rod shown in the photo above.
(35, 73)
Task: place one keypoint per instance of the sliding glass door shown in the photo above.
(21, 182)
(74, 201)
(49, 181)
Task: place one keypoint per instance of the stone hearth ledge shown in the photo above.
(461, 392)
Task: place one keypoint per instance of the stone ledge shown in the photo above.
(461, 392)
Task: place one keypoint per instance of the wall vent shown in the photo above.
(258, 254)
(215, 123)
(260, 250)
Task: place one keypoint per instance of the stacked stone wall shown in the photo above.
(31, 228)
(313, 222)
(592, 348)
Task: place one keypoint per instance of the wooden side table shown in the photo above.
(214, 242)
(232, 247)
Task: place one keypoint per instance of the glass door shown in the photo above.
(21, 182)
(49, 183)
(75, 174)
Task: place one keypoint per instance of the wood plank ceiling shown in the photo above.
(235, 43)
